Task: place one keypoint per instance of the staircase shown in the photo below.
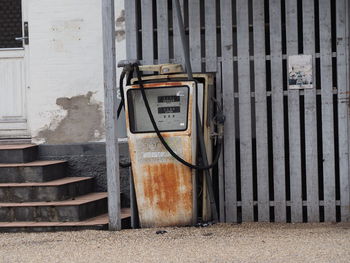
(36, 195)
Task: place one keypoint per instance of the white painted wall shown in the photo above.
(65, 58)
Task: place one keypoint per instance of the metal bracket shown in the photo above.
(163, 68)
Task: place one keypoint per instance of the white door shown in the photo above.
(13, 68)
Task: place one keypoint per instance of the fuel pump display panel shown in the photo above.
(168, 99)
(169, 106)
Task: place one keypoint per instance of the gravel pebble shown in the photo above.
(248, 242)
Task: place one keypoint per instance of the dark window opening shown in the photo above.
(10, 23)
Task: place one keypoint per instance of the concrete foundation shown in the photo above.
(89, 160)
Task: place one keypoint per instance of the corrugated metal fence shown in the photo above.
(286, 156)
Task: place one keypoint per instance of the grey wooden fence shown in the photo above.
(286, 155)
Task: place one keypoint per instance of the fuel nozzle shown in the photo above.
(128, 64)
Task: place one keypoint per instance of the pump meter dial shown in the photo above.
(169, 106)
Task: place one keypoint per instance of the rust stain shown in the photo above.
(160, 84)
(165, 134)
(132, 151)
(187, 180)
(168, 188)
(209, 78)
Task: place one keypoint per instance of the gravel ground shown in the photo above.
(253, 242)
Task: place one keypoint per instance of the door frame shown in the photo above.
(18, 128)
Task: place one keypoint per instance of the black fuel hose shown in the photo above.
(121, 103)
(161, 138)
(121, 88)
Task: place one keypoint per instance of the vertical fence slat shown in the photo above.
(210, 35)
(327, 110)
(178, 52)
(348, 74)
(294, 118)
(163, 31)
(131, 53)
(245, 126)
(195, 35)
(277, 111)
(261, 111)
(131, 29)
(110, 103)
(147, 32)
(313, 213)
(343, 112)
(228, 103)
(221, 159)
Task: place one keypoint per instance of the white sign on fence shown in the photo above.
(300, 72)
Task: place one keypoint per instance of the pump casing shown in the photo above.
(166, 189)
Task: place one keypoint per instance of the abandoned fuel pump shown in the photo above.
(162, 121)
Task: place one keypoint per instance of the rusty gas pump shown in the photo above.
(162, 128)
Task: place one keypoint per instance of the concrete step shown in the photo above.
(11, 141)
(79, 209)
(38, 171)
(96, 223)
(57, 190)
(18, 153)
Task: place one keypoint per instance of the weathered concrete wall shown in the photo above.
(65, 96)
(83, 121)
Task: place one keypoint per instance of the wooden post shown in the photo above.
(110, 84)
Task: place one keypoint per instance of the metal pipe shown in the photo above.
(183, 40)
